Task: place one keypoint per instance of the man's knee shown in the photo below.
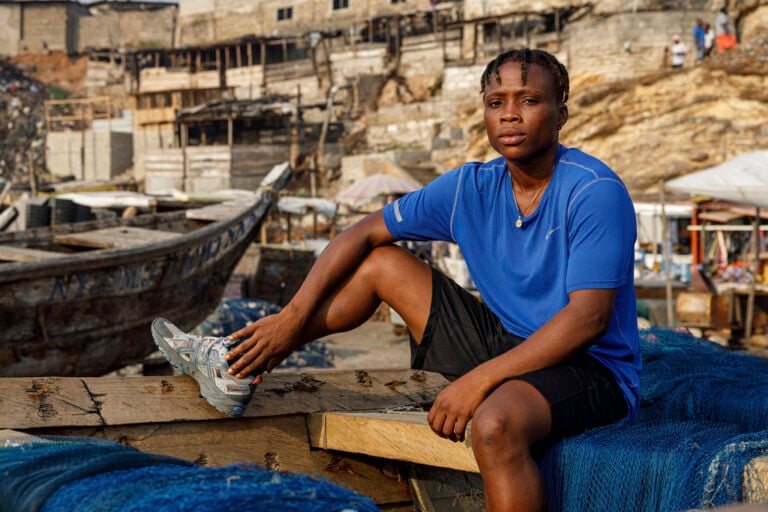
(494, 429)
(386, 262)
(512, 421)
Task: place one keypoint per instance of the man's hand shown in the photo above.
(270, 340)
(456, 404)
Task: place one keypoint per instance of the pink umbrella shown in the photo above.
(367, 189)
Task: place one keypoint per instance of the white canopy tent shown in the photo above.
(369, 188)
(744, 180)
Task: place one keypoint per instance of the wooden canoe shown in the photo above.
(78, 299)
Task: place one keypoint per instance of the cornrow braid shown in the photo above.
(526, 57)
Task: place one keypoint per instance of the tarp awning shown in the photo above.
(367, 189)
(743, 179)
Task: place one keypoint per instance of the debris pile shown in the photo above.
(22, 124)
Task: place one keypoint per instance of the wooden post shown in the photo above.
(499, 27)
(667, 256)
(753, 284)
(263, 57)
(32, 180)
(184, 141)
(525, 29)
(82, 141)
(445, 44)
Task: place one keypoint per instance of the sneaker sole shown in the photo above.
(213, 395)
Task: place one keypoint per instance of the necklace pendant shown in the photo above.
(519, 222)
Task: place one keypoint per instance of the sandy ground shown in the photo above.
(373, 345)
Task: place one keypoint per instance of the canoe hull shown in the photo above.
(89, 313)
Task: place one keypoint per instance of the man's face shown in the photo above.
(522, 120)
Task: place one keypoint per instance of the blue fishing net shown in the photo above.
(703, 418)
(65, 475)
(233, 314)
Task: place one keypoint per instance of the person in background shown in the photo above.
(699, 39)
(679, 49)
(709, 39)
(724, 36)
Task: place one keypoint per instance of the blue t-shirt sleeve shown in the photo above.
(426, 213)
(602, 236)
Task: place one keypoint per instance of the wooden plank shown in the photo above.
(755, 487)
(11, 253)
(404, 436)
(278, 443)
(40, 402)
(221, 211)
(120, 237)
(70, 401)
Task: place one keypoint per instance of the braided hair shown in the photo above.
(526, 57)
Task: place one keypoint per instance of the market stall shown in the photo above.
(728, 242)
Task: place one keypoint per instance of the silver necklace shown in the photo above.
(521, 211)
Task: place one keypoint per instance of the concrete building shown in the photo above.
(34, 26)
(204, 21)
(134, 24)
(87, 139)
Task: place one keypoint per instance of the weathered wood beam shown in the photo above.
(43, 402)
(11, 253)
(402, 436)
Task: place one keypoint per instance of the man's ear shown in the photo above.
(563, 116)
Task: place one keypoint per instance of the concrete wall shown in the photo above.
(145, 143)
(220, 20)
(363, 59)
(166, 79)
(209, 168)
(139, 28)
(47, 26)
(246, 81)
(596, 46)
(106, 154)
(192, 7)
(198, 28)
(462, 82)
(482, 8)
(406, 125)
(105, 79)
(10, 29)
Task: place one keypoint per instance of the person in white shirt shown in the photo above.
(679, 49)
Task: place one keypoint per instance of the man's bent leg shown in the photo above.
(388, 274)
(505, 427)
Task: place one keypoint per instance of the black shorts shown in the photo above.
(462, 333)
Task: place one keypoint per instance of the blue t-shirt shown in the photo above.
(581, 236)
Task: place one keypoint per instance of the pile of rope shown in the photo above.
(60, 474)
(703, 418)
